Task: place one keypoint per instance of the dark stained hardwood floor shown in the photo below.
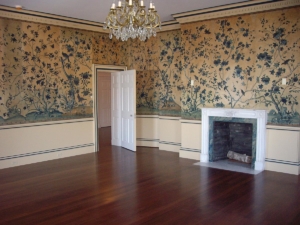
(116, 186)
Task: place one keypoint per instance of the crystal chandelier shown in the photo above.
(130, 19)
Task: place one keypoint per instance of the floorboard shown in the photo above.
(117, 186)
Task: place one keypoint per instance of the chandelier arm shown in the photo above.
(143, 14)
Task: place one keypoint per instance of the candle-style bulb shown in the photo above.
(142, 3)
(119, 3)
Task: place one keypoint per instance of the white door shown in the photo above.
(115, 109)
(104, 99)
(124, 109)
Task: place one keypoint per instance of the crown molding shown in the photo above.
(169, 25)
(233, 10)
(45, 18)
(180, 18)
(50, 19)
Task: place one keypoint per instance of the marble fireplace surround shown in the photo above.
(259, 115)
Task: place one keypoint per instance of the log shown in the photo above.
(239, 157)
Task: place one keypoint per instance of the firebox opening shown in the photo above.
(232, 137)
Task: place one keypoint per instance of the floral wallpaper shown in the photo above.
(239, 62)
(46, 71)
(156, 62)
(234, 62)
(105, 50)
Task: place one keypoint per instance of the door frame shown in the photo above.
(95, 69)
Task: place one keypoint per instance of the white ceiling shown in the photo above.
(96, 10)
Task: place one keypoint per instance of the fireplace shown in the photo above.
(232, 134)
(250, 124)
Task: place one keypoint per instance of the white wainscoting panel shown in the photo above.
(169, 133)
(147, 131)
(190, 139)
(283, 149)
(36, 142)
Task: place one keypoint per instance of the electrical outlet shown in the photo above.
(192, 82)
(283, 81)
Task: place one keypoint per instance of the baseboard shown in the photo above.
(169, 146)
(19, 160)
(282, 167)
(189, 155)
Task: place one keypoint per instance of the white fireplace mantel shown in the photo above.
(260, 115)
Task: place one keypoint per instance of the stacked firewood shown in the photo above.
(239, 157)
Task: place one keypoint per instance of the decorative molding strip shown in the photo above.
(147, 139)
(233, 10)
(169, 118)
(274, 127)
(148, 116)
(50, 123)
(197, 122)
(180, 18)
(170, 25)
(45, 18)
(186, 121)
(109, 67)
(31, 16)
(169, 143)
(159, 141)
(190, 149)
(46, 151)
(283, 162)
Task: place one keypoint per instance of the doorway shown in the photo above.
(104, 89)
(104, 99)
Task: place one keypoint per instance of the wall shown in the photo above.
(36, 142)
(46, 90)
(239, 62)
(235, 62)
(283, 149)
(157, 74)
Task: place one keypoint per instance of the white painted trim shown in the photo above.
(260, 115)
(168, 26)
(95, 69)
(147, 116)
(29, 144)
(282, 167)
(278, 127)
(189, 155)
(63, 21)
(29, 159)
(180, 18)
(55, 122)
(169, 118)
(190, 121)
